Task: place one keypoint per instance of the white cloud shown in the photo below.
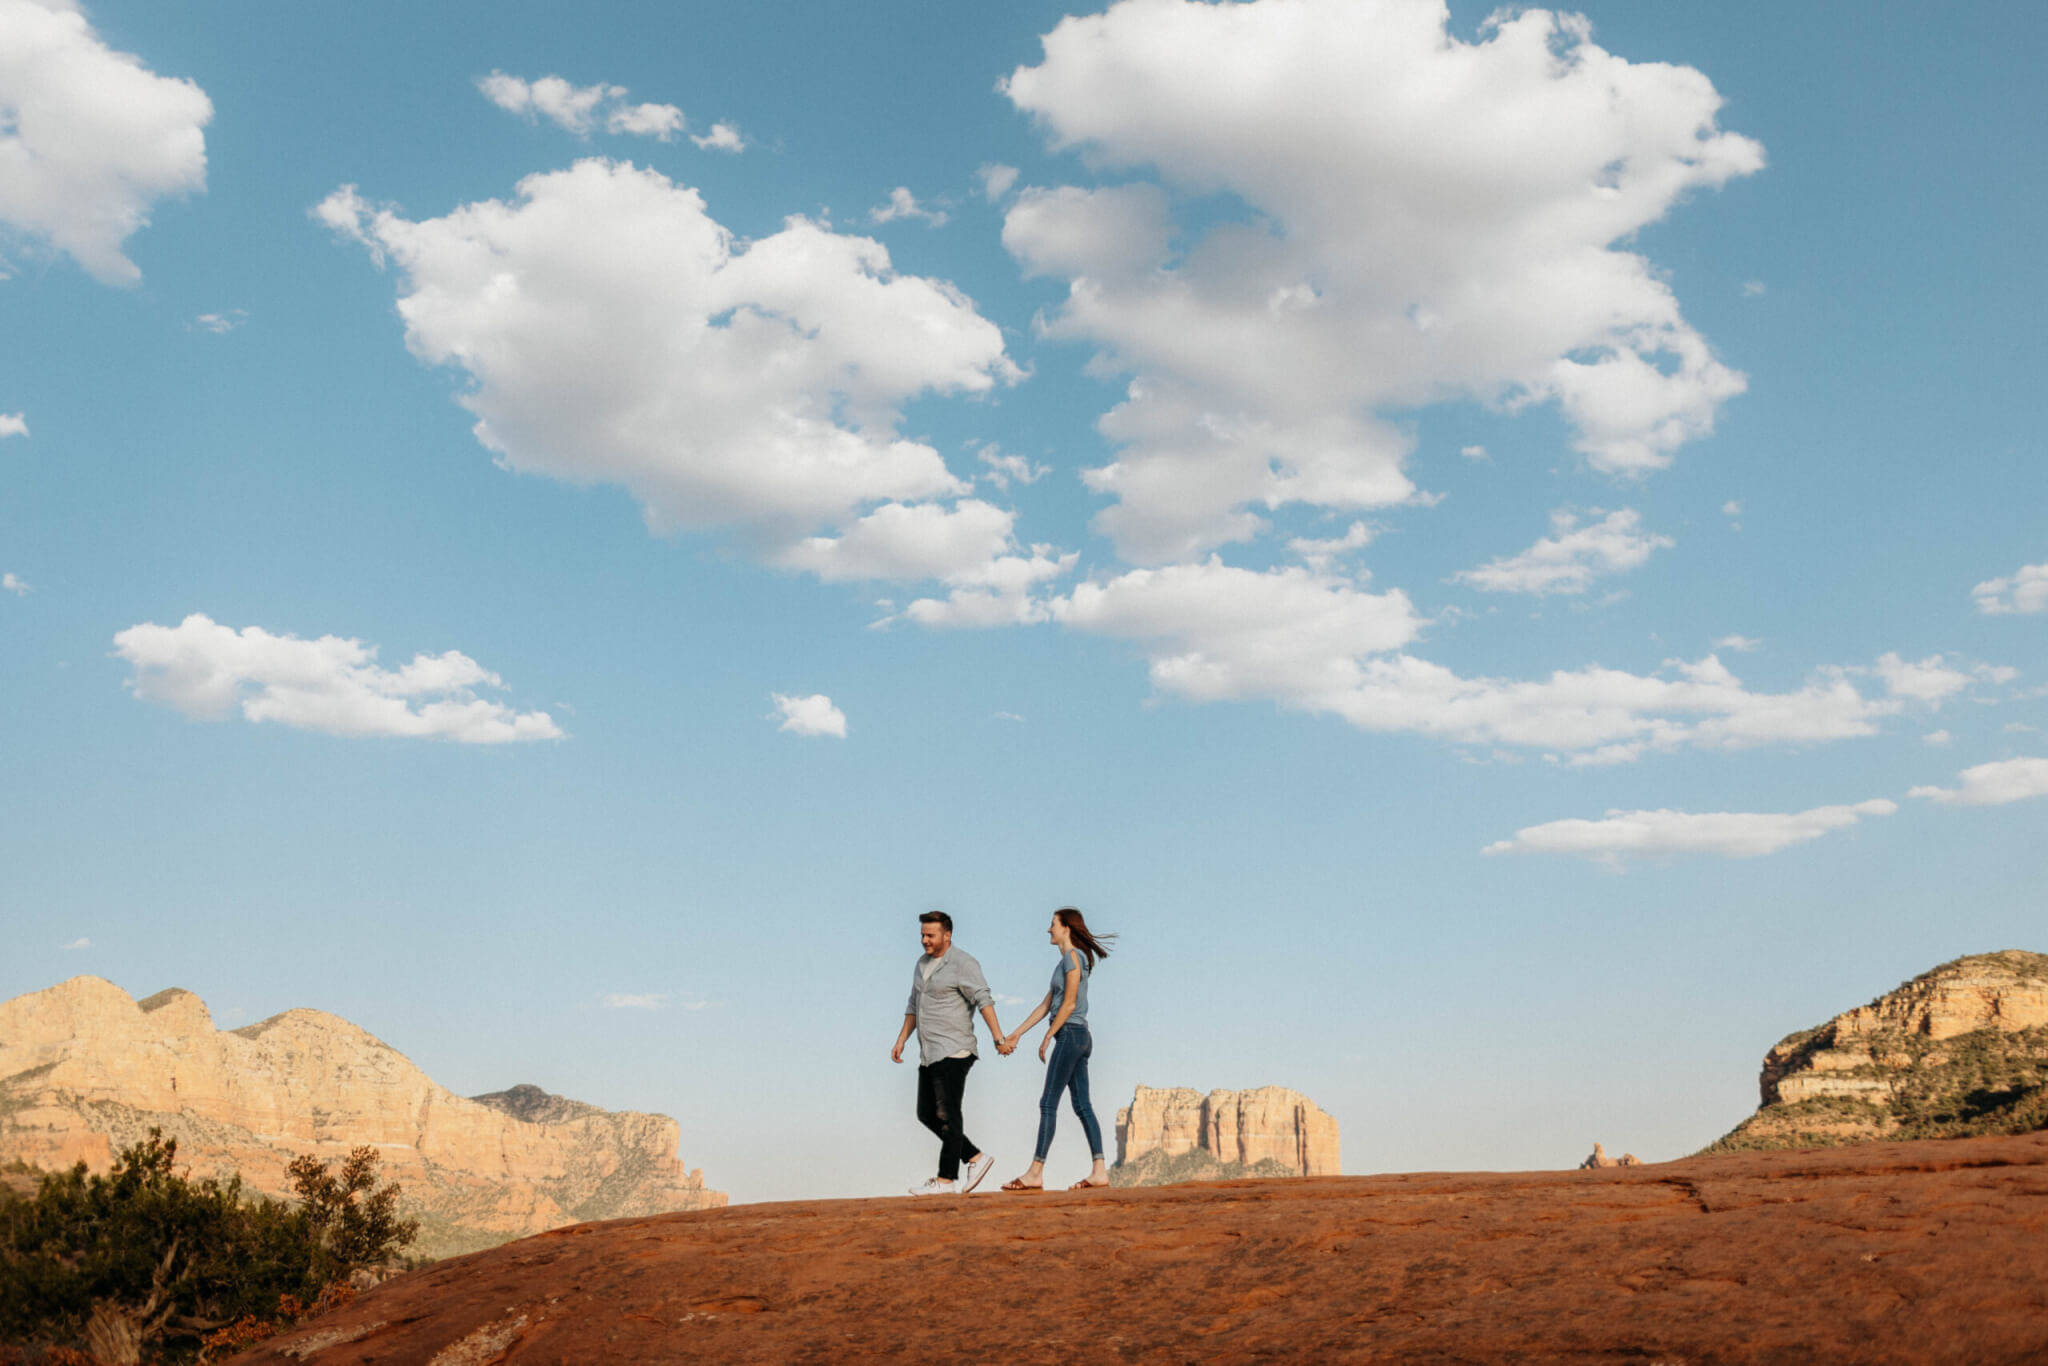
(612, 331)
(13, 424)
(218, 323)
(1739, 644)
(1732, 508)
(76, 944)
(1473, 452)
(996, 180)
(1928, 680)
(1216, 632)
(1317, 643)
(661, 121)
(1005, 716)
(1004, 468)
(578, 109)
(1733, 834)
(1569, 561)
(1319, 555)
(569, 107)
(333, 685)
(968, 545)
(1000, 596)
(90, 138)
(1428, 219)
(14, 584)
(1993, 784)
(1937, 738)
(1752, 289)
(723, 137)
(812, 715)
(2023, 592)
(635, 1000)
(903, 204)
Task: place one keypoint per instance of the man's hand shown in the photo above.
(896, 1053)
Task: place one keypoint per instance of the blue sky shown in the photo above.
(1678, 375)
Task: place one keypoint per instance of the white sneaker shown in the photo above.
(936, 1187)
(976, 1169)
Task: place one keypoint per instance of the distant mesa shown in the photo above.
(86, 1070)
(1165, 1136)
(1600, 1159)
(1957, 1052)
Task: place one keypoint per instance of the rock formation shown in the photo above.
(1180, 1134)
(85, 1070)
(1600, 1159)
(1958, 1051)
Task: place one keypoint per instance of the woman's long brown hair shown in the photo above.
(1077, 929)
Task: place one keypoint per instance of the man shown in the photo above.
(946, 988)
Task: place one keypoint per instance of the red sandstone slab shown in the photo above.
(1932, 1252)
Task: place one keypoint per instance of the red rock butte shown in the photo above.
(1927, 1252)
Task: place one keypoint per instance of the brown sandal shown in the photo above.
(1018, 1183)
(1084, 1184)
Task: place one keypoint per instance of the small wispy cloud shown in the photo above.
(14, 584)
(218, 323)
(79, 943)
(1570, 560)
(1319, 554)
(578, 109)
(1740, 644)
(2023, 592)
(1937, 738)
(1005, 716)
(996, 179)
(1473, 452)
(812, 715)
(1731, 834)
(903, 204)
(635, 1000)
(1002, 469)
(1752, 289)
(13, 424)
(723, 137)
(1993, 784)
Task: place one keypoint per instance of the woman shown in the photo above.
(1070, 1043)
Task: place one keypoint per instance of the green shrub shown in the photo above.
(145, 1263)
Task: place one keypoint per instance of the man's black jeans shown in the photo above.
(940, 1088)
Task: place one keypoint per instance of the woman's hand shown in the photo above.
(1044, 1044)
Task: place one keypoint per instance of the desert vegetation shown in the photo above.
(1155, 1168)
(147, 1264)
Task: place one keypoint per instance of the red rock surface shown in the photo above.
(1927, 1252)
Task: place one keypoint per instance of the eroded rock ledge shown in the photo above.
(1960, 1051)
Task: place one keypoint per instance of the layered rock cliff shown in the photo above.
(85, 1070)
(1958, 1051)
(1179, 1134)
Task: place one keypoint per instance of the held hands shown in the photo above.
(1006, 1045)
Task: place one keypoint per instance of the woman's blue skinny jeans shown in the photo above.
(1068, 1071)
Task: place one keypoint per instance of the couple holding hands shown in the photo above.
(946, 989)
